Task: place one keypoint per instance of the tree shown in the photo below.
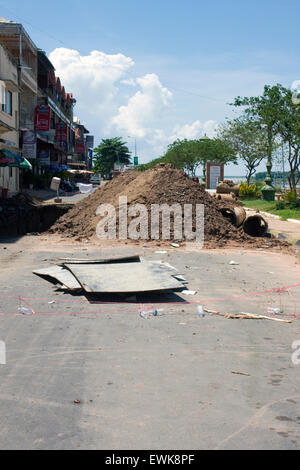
(109, 152)
(190, 154)
(249, 141)
(289, 133)
(184, 154)
(265, 110)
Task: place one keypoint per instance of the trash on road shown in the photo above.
(147, 313)
(246, 316)
(189, 292)
(240, 373)
(25, 310)
(200, 311)
(275, 311)
(234, 263)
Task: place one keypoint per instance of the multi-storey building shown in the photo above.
(56, 143)
(80, 158)
(9, 117)
(36, 114)
(14, 37)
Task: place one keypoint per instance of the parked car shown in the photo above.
(95, 179)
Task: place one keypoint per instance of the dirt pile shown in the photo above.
(162, 184)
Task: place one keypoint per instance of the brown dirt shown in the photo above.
(162, 184)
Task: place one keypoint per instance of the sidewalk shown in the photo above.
(47, 195)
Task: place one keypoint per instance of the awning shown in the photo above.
(13, 159)
(81, 172)
(76, 164)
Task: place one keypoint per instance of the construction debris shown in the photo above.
(124, 275)
(61, 275)
(240, 373)
(246, 316)
(255, 226)
(123, 278)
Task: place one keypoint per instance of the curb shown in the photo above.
(272, 216)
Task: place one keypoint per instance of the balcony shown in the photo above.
(29, 80)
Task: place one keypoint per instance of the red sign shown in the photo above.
(61, 134)
(42, 118)
(79, 146)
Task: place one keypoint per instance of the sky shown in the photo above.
(152, 72)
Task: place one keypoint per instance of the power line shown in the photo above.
(187, 91)
(32, 25)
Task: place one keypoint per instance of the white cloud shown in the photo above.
(129, 82)
(145, 110)
(194, 131)
(109, 105)
(93, 81)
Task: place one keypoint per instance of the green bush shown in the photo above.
(289, 197)
(295, 204)
(280, 205)
(249, 190)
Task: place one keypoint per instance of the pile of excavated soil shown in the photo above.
(158, 185)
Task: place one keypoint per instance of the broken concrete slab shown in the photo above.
(61, 275)
(122, 259)
(123, 278)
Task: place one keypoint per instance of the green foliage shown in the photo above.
(248, 140)
(280, 205)
(289, 197)
(276, 112)
(291, 200)
(156, 161)
(190, 154)
(249, 190)
(108, 152)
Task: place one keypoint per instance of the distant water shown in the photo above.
(235, 179)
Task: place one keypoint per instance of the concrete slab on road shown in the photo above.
(161, 383)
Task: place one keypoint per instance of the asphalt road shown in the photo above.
(160, 383)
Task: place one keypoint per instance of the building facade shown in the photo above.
(58, 141)
(36, 112)
(9, 117)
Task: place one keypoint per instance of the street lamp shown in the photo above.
(135, 160)
(204, 139)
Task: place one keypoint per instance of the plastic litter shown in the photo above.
(25, 310)
(146, 314)
(200, 311)
(188, 292)
(175, 245)
(234, 263)
(275, 311)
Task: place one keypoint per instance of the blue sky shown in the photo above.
(163, 69)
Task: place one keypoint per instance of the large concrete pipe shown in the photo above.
(255, 226)
(236, 215)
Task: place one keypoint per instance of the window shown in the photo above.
(3, 99)
(9, 103)
(10, 172)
